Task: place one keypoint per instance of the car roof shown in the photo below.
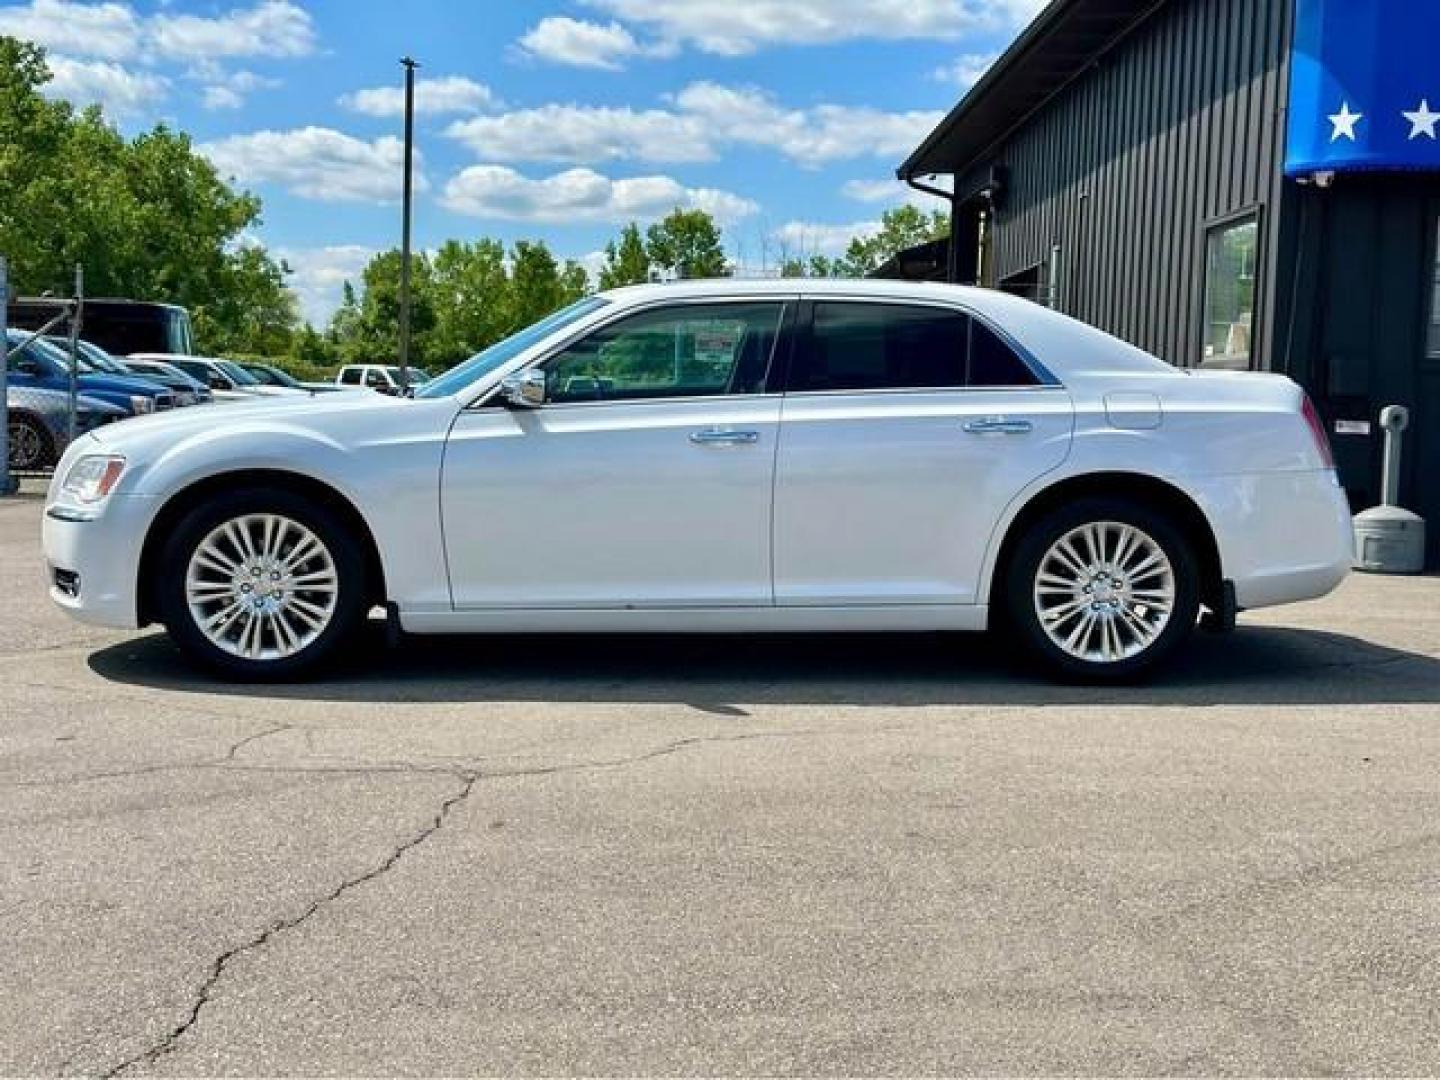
(1059, 343)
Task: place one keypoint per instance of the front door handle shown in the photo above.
(999, 425)
(724, 437)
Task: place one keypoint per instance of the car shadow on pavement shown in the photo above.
(1253, 666)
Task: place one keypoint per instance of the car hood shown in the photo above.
(119, 384)
(254, 412)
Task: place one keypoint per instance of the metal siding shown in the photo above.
(1179, 124)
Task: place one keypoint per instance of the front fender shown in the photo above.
(392, 482)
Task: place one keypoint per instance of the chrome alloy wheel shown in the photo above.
(1105, 592)
(262, 587)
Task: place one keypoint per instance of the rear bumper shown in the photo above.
(104, 555)
(1283, 536)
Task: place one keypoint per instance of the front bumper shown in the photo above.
(103, 555)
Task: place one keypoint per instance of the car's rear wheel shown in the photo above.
(262, 584)
(29, 444)
(1103, 590)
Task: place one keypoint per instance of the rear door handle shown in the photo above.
(999, 425)
(724, 437)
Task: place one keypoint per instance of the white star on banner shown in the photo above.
(1422, 120)
(1344, 122)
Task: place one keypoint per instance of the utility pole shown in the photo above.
(7, 482)
(76, 313)
(409, 65)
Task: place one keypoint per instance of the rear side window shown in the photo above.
(350, 375)
(993, 362)
(859, 346)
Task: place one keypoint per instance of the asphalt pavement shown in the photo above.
(839, 856)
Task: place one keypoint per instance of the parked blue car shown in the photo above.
(38, 423)
(40, 364)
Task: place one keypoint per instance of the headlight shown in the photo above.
(91, 479)
(141, 404)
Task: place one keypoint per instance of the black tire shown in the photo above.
(30, 438)
(1020, 603)
(343, 547)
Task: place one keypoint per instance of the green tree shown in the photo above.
(147, 218)
(471, 290)
(626, 260)
(536, 288)
(574, 281)
(369, 331)
(901, 228)
(687, 243)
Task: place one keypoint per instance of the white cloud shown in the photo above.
(109, 30)
(966, 71)
(738, 27)
(891, 192)
(493, 191)
(221, 97)
(113, 31)
(562, 40)
(450, 94)
(801, 239)
(271, 28)
(227, 89)
(586, 134)
(744, 115)
(318, 163)
(593, 262)
(706, 117)
(89, 82)
(319, 274)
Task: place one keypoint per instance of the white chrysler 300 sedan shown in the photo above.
(722, 457)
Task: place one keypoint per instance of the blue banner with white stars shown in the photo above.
(1364, 86)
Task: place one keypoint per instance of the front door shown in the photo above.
(643, 482)
(907, 431)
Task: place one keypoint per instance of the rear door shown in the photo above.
(907, 428)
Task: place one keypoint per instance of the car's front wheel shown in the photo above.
(261, 584)
(1103, 589)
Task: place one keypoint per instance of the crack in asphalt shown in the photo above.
(221, 762)
(219, 965)
(204, 995)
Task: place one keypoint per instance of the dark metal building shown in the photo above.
(1124, 162)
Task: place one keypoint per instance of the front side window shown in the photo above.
(1231, 257)
(701, 350)
(861, 346)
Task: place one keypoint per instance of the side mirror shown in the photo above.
(525, 389)
(219, 382)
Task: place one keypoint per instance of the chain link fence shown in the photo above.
(40, 422)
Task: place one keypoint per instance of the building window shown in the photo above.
(1231, 256)
(1432, 343)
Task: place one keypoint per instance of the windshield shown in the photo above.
(37, 350)
(275, 377)
(92, 357)
(502, 352)
(238, 375)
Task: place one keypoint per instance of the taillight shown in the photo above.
(1317, 431)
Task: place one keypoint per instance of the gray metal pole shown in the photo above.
(409, 65)
(7, 482)
(76, 313)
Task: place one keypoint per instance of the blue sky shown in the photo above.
(551, 119)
